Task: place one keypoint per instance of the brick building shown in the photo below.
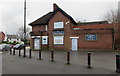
(58, 30)
(2, 36)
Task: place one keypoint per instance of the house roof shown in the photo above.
(12, 36)
(94, 26)
(2, 32)
(92, 23)
(63, 12)
(45, 19)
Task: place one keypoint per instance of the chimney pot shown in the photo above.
(55, 7)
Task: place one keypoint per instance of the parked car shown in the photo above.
(19, 46)
(5, 47)
(12, 46)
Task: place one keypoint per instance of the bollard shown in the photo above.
(13, 51)
(40, 54)
(19, 52)
(24, 52)
(118, 63)
(89, 60)
(30, 53)
(10, 50)
(68, 57)
(52, 56)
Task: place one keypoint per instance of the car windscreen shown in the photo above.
(17, 45)
(2, 46)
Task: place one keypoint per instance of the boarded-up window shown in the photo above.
(58, 25)
(58, 40)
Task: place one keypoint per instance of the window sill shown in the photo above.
(58, 29)
(90, 40)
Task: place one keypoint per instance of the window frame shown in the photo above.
(55, 23)
(46, 37)
(58, 43)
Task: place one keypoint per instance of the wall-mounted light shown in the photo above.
(67, 22)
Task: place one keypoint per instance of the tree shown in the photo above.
(111, 16)
(21, 32)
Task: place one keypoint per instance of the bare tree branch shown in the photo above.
(111, 16)
(21, 32)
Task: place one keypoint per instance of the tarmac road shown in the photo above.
(102, 63)
(1, 63)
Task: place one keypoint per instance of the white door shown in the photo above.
(36, 43)
(74, 44)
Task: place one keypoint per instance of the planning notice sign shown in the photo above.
(36, 43)
(58, 32)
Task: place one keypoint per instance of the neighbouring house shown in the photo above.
(13, 39)
(2, 36)
(58, 30)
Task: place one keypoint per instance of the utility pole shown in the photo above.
(24, 28)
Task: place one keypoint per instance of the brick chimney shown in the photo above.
(55, 6)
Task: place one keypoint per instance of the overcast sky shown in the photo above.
(11, 11)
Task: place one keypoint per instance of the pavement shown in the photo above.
(1, 63)
(102, 63)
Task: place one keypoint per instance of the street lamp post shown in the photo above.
(24, 28)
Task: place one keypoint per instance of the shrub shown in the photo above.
(5, 42)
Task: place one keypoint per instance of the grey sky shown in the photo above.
(11, 11)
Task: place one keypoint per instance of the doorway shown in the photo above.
(36, 43)
(74, 44)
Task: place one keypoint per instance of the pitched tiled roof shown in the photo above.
(44, 19)
(2, 32)
(94, 26)
(63, 12)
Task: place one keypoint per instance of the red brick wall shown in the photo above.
(104, 39)
(94, 26)
(38, 28)
(2, 36)
(56, 18)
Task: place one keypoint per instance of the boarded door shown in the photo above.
(74, 44)
(36, 43)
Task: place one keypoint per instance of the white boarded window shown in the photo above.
(58, 40)
(44, 39)
(58, 25)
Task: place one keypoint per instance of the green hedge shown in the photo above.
(5, 42)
